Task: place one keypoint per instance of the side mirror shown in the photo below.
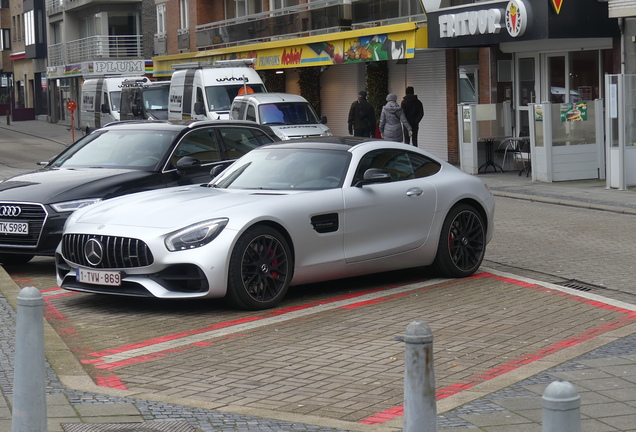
(374, 175)
(199, 109)
(105, 109)
(323, 120)
(219, 168)
(188, 162)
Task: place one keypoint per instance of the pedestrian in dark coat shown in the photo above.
(392, 120)
(414, 111)
(362, 117)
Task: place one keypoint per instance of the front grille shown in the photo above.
(33, 214)
(118, 252)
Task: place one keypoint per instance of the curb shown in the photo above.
(569, 203)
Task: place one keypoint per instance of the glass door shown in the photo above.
(526, 90)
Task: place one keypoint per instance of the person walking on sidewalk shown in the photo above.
(413, 111)
(393, 120)
(362, 117)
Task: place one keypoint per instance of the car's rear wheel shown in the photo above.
(462, 243)
(15, 259)
(260, 269)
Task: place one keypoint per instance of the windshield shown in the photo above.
(220, 97)
(132, 149)
(115, 99)
(287, 169)
(287, 113)
(156, 98)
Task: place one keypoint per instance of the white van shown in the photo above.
(289, 115)
(205, 92)
(144, 100)
(100, 101)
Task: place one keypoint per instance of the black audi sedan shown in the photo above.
(118, 159)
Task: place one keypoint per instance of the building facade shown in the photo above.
(89, 38)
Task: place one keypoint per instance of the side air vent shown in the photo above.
(325, 223)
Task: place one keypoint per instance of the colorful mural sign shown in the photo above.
(573, 112)
(379, 47)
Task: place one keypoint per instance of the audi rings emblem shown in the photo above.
(10, 211)
(93, 252)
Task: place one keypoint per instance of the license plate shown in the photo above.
(98, 277)
(14, 228)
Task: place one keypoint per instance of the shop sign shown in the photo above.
(392, 46)
(119, 67)
(485, 21)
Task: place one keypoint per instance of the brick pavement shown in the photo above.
(498, 404)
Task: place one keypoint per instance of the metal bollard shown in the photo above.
(29, 380)
(8, 118)
(420, 405)
(561, 408)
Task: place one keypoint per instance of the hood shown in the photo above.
(52, 185)
(391, 108)
(299, 131)
(158, 114)
(170, 208)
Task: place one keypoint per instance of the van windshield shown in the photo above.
(156, 98)
(287, 113)
(115, 100)
(220, 97)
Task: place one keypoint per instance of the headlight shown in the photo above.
(327, 133)
(70, 206)
(196, 235)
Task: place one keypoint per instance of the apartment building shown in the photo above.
(92, 38)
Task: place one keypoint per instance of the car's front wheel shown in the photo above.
(462, 243)
(260, 269)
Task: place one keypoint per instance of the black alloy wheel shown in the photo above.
(462, 242)
(260, 269)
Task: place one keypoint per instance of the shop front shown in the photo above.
(342, 59)
(536, 55)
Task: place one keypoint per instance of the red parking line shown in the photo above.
(628, 318)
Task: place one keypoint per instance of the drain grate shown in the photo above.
(162, 426)
(577, 285)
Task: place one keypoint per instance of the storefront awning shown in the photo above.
(391, 42)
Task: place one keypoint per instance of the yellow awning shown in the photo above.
(390, 42)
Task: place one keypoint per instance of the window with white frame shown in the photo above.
(161, 19)
(184, 12)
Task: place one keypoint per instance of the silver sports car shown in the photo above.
(283, 214)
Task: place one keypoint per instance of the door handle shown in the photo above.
(414, 191)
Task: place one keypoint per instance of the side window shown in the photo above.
(422, 166)
(401, 165)
(105, 101)
(396, 162)
(251, 113)
(201, 144)
(238, 141)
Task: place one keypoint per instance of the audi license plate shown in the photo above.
(14, 228)
(98, 277)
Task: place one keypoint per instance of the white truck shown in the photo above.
(203, 91)
(290, 116)
(100, 101)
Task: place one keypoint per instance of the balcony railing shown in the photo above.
(307, 19)
(57, 6)
(96, 48)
